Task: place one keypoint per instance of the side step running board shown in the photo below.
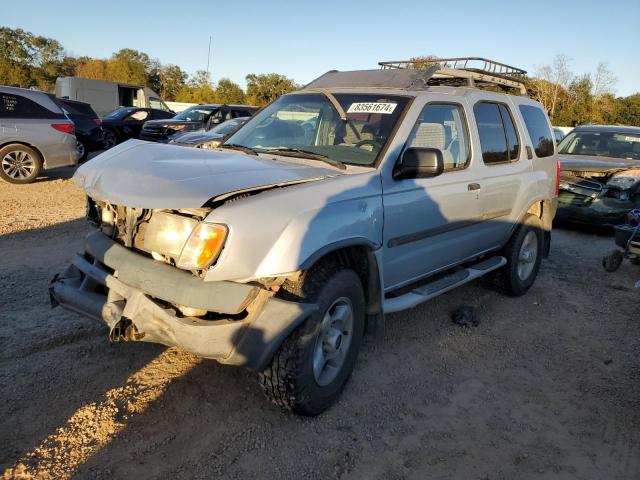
(442, 285)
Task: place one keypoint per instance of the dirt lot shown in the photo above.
(547, 386)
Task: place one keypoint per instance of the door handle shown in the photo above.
(473, 186)
(529, 153)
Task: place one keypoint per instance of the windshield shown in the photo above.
(602, 144)
(119, 113)
(311, 123)
(195, 114)
(228, 126)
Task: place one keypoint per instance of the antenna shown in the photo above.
(209, 55)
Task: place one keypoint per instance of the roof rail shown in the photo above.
(475, 72)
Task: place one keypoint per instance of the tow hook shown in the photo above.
(126, 331)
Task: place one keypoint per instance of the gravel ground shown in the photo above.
(547, 386)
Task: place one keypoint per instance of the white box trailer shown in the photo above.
(105, 96)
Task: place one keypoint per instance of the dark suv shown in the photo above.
(193, 118)
(126, 122)
(89, 133)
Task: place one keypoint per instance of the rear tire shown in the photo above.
(110, 139)
(312, 366)
(524, 255)
(19, 164)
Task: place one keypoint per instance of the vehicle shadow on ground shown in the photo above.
(56, 174)
(42, 350)
(589, 229)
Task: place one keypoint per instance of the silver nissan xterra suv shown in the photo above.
(363, 193)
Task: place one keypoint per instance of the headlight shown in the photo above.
(203, 247)
(210, 145)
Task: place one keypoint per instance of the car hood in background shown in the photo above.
(170, 123)
(595, 164)
(150, 175)
(197, 137)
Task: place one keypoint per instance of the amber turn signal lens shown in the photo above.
(203, 247)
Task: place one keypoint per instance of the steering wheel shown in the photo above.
(376, 145)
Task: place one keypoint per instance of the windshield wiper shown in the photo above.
(242, 148)
(297, 152)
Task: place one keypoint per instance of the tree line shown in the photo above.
(572, 99)
(28, 60)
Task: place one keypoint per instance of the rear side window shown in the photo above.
(78, 108)
(498, 135)
(17, 106)
(538, 128)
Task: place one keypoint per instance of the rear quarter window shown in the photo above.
(17, 106)
(78, 109)
(538, 127)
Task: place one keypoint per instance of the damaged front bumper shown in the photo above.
(592, 210)
(139, 299)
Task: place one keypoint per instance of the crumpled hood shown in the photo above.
(151, 175)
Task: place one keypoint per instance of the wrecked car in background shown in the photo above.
(600, 174)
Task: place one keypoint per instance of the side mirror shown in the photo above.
(419, 163)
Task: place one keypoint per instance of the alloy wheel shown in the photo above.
(528, 255)
(333, 341)
(18, 165)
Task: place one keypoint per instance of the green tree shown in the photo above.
(229, 92)
(129, 66)
(172, 79)
(93, 68)
(581, 90)
(264, 88)
(629, 110)
(16, 58)
(198, 89)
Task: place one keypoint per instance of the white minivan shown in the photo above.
(35, 135)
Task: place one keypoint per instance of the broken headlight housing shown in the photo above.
(191, 244)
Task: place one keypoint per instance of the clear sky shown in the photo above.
(303, 39)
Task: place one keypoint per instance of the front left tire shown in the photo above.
(312, 366)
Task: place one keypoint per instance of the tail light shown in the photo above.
(557, 178)
(97, 121)
(65, 127)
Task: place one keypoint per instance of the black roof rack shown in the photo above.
(464, 71)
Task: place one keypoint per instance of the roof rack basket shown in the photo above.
(475, 72)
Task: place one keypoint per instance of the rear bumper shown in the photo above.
(62, 153)
(136, 300)
(93, 140)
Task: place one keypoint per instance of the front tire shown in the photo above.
(312, 366)
(81, 148)
(524, 255)
(19, 164)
